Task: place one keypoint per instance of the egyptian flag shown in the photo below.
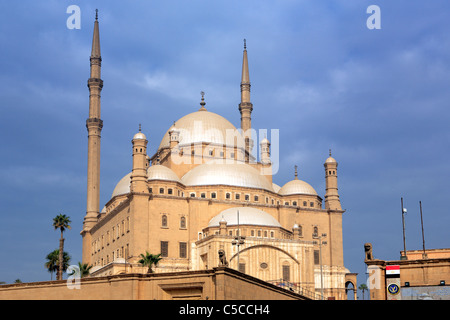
(392, 271)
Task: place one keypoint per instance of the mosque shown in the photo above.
(205, 200)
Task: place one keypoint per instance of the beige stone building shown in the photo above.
(209, 188)
(422, 275)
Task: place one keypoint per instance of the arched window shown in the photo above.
(164, 221)
(183, 222)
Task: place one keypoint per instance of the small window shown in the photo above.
(311, 204)
(192, 195)
(247, 197)
(272, 234)
(221, 153)
(286, 203)
(259, 233)
(242, 267)
(203, 195)
(294, 203)
(169, 191)
(164, 248)
(228, 196)
(150, 190)
(286, 273)
(164, 221)
(256, 198)
(183, 222)
(265, 234)
(316, 257)
(210, 152)
(252, 233)
(183, 250)
(213, 195)
(305, 203)
(232, 155)
(237, 196)
(161, 190)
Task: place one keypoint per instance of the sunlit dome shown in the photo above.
(247, 216)
(204, 126)
(156, 172)
(230, 174)
(123, 187)
(297, 187)
(160, 172)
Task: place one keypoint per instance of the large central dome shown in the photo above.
(229, 174)
(204, 126)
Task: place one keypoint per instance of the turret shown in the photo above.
(332, 201)
(139, 174)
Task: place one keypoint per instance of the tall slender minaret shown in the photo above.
(246, 107)
(332, 201)
(94, 127)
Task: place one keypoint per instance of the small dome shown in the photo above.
(297, 187)
(247, 216)
(139, 136)
(231, 174)
(160, 172)
(330, 160)
(156, 172)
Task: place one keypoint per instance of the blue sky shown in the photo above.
(378, 98)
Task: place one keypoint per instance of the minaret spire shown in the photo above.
(94, 127)
(246, 107)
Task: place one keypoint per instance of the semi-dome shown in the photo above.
(297, 187)
(204, 126)
(231, 174)
(123, 186)
(156, 172)
(247, 216)
(160, 172)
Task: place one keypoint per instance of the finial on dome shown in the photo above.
(202, 103)
(330, 152)
(96, 14)
(245, 44)
(140, 127)
(296, 175)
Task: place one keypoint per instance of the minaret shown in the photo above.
(246, 107)
(332, 201)
(94, 127)
(139, 173)
(265, 151)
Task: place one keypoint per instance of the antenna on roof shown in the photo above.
(424, 254)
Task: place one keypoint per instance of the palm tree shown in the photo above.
(363, 287)
(84, 269)
(53, 264)
(61, 222)
(149, 260)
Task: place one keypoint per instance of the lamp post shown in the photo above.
(238, 240)
(404, 257)
(320, 242)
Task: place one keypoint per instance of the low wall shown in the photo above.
(215, 284)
